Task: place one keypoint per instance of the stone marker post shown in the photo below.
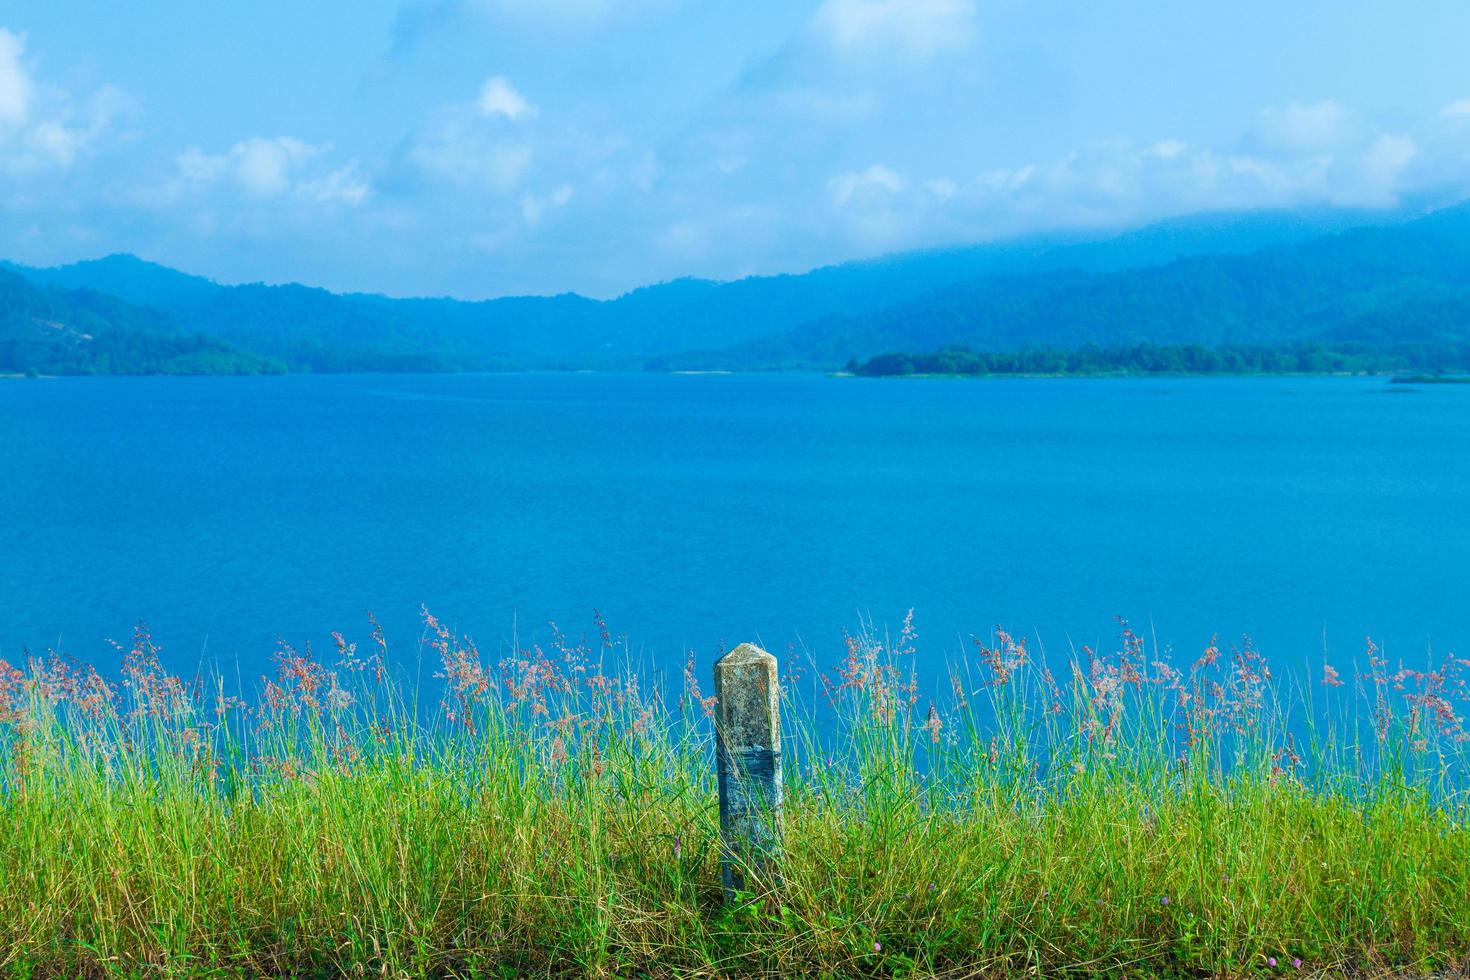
(748, 762)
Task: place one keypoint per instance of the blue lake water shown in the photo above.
(695, 510)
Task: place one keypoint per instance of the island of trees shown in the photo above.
(1306, 357)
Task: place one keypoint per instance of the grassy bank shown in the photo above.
(557, 815)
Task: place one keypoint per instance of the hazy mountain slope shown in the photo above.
(317, 330)
(129, 278)
(51, 330)
(1369, 281)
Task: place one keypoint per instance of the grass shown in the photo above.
(551, 816)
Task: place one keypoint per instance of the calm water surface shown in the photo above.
(693, 510)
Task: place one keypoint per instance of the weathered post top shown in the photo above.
(748, 692)
(748, 762)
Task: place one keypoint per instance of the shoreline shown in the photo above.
(1416, 379)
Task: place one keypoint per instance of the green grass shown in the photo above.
(551, 817)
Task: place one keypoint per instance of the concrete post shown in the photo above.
(748, 763)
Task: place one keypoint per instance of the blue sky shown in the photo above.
(485, 147)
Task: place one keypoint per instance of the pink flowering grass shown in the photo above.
(553, 812)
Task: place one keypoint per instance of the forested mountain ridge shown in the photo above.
(1246, 279)
(681, 315)
(1376, 285)
(50, 330)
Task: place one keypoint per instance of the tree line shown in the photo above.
(1306, 357)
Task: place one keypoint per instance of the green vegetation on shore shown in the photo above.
(1133, 817)
(46, 330)
(1299, 358)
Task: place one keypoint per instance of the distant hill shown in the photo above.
(1257, 277)
(51, 330)
(1387, 285)
(129, 278)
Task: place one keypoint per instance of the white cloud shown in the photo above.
(499, 98)
(1274, 181)
(259, 166)
(1167, 149)
(942, 187)
(843, 188)
(15, 81)
(343, 186)
(268, 168)
(918, 28)
(196, 165)
(1116, 182)
(465, 155)
(1460, 107)
(460, 145)
(1112, 183)
(532, 207)
(1385, 160)
(1316, 127)
(263, 166)
(43, 131)
(1002, 180)
(51, 140)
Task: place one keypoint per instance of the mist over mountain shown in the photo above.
(1391, 284)
(1212, 279)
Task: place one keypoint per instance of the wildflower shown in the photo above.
(1271, 961)
(678, 847)
(1330, 676)
(691, 688)
(602, 630)
(877, 947)
(1164, 900)
(1297, 963)
(1007, 657)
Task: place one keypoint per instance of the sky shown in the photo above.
(480, 148)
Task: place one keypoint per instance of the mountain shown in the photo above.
(753, 322)
(51, 330)
(1383, 285)
(128, 278)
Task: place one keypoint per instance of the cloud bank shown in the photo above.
(863, 126)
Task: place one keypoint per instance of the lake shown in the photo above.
(699, 510)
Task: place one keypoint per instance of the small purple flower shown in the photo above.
(1164, 900)
(877, 947)
(1271, 961)
(678, 846)
(1297, 962)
